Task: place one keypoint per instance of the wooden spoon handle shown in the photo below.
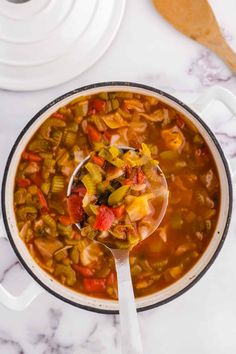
(228, 55)
(224, 51)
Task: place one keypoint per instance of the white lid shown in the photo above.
(47, 42)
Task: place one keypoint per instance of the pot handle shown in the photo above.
(216, 93)
(223, 95)
(22, 301)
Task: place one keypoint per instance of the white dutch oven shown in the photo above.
(43, 281)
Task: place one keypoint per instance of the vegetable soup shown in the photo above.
(121, 201)
(93, 125)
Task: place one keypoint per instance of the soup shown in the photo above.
(86, 125)
(120, 201)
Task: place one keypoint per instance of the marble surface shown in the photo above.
(203, 320)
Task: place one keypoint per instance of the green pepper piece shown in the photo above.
(117, 196)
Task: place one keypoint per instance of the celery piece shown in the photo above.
(115, 103)
(81, 109)
(89, 184)
(51, 223)
(67, 271)
(103, 95)
(39, 145)
(58, 184)
(95, 171)
(45, 187)
(27, 213)
(74, 255)
(108, 157)
(127, 95)
(70, 139)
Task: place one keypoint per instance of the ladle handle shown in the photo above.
(131, 342)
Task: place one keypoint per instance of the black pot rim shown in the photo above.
(101, 85)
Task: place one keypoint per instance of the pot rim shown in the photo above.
(97, 86)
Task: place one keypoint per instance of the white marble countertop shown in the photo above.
(203, 320)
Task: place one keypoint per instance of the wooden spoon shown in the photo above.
(195, 19)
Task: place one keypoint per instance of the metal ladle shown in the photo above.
(130, 333)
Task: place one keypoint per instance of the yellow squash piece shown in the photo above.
(138, 207)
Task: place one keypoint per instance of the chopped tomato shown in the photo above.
(94, 285)
(111, 278)
(93, 133)
(85, 271)
(119, 211)
(74, 203)
(31, 157)
(36, 178)
(65, 220)
(42, 200)
(98, 160)
(23, 182)
(99, 105)
(104, 218)
(58, 115)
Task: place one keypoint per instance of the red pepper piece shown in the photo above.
(65, 220)
(42, 201)
(94, 285)
(36, 178)
(23, 182)
(104, 218)
(127, 182)
(76, 212)
(99, 105)
(93, 133)
(85, 271)
(111, 278)
(31, 157)
(119, 211)
(58, 115)
(98, 160)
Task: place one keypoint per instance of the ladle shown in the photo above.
(130, 333)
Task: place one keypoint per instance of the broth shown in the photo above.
(86, 125)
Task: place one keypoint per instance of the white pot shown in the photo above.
(43, 281)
